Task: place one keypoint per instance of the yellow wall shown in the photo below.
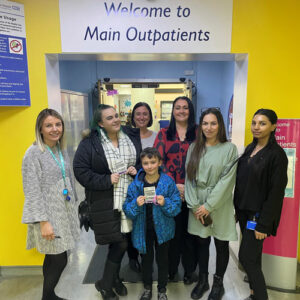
(267, 30)
(17, 131)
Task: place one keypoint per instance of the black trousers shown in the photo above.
(116, 251)
(222, 259)
(250, 256)
(183, 245)
(161, 256)
(131, 251)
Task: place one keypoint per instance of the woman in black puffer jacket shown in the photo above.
(105, 163)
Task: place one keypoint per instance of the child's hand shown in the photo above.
(131, 171)
(140, 200)
(160, 200)
(181, 191)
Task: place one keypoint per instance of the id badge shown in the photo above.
(150, 196)
(251, 225)
(119, 166)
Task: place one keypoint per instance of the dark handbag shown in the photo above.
(84, 216)
(207, 220)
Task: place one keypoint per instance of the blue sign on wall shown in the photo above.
(14, 82)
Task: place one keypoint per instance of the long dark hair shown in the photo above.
(272, 116)
(199, 144)
(139, 104)
(190, 133)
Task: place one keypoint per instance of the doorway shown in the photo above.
(197, 67)
(158, 93)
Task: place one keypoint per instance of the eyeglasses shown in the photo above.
(203, 109)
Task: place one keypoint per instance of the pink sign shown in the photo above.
(286, 241)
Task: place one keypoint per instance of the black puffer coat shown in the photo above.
(92, 171)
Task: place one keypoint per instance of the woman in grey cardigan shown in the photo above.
(50, 209)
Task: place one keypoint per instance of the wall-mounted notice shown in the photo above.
(14, 83)
(286, 241)
(177, 26)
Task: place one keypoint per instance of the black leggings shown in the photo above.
(131, 251)
(116, 251)
(183, 245)
(222, 249)
(53, 266)
(250, 256)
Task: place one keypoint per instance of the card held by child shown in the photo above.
(149, 193)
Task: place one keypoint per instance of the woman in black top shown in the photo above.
(105, 164)
(259, 193)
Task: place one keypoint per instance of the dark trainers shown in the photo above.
(217, 290)
(119, 287)
(147, 295)
(162, 296)
(251, 297)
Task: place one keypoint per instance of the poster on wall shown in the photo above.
(177, 26)
(286, 241)
(125, 107)
(14, 82)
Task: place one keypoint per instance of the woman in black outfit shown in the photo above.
(259, 193)
(105, 163)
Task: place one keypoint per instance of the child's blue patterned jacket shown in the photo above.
(163, 216)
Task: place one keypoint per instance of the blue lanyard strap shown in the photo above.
(61, 164)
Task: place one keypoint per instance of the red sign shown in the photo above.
(286, 241)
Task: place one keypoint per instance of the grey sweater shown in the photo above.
(43, 186)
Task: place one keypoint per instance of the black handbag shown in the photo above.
(84, 216)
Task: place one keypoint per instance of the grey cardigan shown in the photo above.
(43, 185)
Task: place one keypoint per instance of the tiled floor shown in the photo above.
(70, 287)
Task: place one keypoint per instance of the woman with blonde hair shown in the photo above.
(50, 208)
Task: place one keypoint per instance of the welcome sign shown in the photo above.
(190, 26)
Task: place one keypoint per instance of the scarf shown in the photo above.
(127, 153)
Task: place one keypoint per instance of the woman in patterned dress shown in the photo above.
(50, 208)
(173, 143)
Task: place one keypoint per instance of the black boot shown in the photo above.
(104, 285)
(201, 287)
(118, 285)
(217, 290)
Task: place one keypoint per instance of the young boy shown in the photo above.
(152, 202)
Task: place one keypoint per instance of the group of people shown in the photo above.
(164, 194)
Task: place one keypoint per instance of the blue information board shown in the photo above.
(14, 82)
